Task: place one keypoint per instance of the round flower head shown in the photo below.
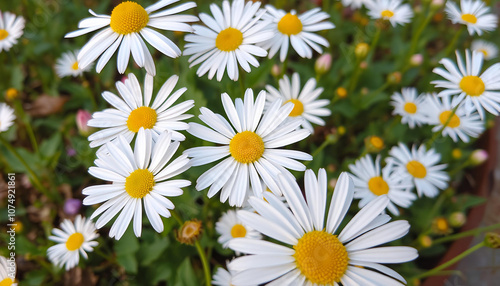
(480, 90)
(229, 39)
(229, 227)
(11, 28)
(410, 106)
(392, 10)
(489, 50)
(460, 125)
(354, 4)
(306, 104)
(296, 29)
(67, 65)
(253, 149)
(134, 111)
(7, 272)
(223, 277)
(73, 240)
(127, 28)
(421, 166)
(473, 13)
(370, 183)
(138, 176)
(311, 252)
(7, 117)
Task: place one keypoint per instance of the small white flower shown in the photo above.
(7, 272)
(354, 4)
(306, 102)
(298, 30)
(7, 117)
(461, 125)
(421, 166)
(481, 90)
(125, 29)
(229, 227)
(392, 10)
(11, 28)
(489, 50)
(473, 13)
(73, 240)
(410, 106)
(223, 277)
(67, 65)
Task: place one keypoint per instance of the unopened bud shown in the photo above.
(275, 71)
(374, 144)
(11, 94)
(425, 241)
(341, 92)
(457, 219)
(394, 78)
(478, 157)
(363, 65)
(416, 60)
(492, 240)
(82, 118)
(437, 3)
(323, 64)
(72, 206)
(456, 153)
(361, 50)
(189, 232)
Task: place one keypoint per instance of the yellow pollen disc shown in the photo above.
(454, 122)
(442, 224)
(74, 66)
(128, 17)
(3, 34)
(6, 282)
(472, 85)
(469, 18)
(321, 257)
(238, 230)
(416, 169)
(298, 107)
(246, 147)
(229, 39)
(139, 183)
(387, 14)
(377, 142)
(485, 52)
(74, 241)
(410, 107)
(378, 186)
(290, 25)
(141, 117)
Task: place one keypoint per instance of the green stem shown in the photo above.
(330, 139)
(34, 177)
(242, 81)
(204, 261)
(29, 129)
(453, 42)
(448, 263)
(373, 45)
(471, 232)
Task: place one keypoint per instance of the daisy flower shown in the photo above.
(251, 144)
(11, 28)
(7, 117)
(128, 24)
(139, 176)
(67, 65)
(229, 227)
(134, 111)
(421, 167)
(489, 50)
(481, 91)
(472, 13)
(392, 10)
(354, 4)
(228, 40)
(306, 104)
(223, 277)
(461, 125)
(309, 251)
(370, 182)
(410, 106)
(296, 29)
(74, 239)
(7, 272)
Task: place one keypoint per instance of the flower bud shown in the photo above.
(189, 232)
(456, 153)
(374, 144)
(416, 60)
(394, 78)
(478, 157)
(361, 50)
(425, 241)
(82, 117)
(341, 92)
(323, 64)
(11, 94)
(437, 3)
(72, 206)
(441, 226)
(275, 71)
(492, 240)
(457, 219)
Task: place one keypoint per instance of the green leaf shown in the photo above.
(186, 274)
(49, 147)
(128, 244)
(151, 251)
(128, 261)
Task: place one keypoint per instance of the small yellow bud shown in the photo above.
(456, 153)
(394, 78)
(492, 240)
(425, 241)
(361, 50)
(11, 94)
(341, 92)
(374, 144)
(441, 226)
(341, 130)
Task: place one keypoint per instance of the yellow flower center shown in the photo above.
(441, 224)
(11, 93)
(298, 107)
(6, 282)
(454, 121)
(485, 52)
(290, 25)
(74, 241)
(469, 18)
(377, 142)
(128, 17)
(139, 183)
(229, 39)
(472, 85)
(321, 257)
(342, 92)
(387, 14)
(141, 117)
(3, 34)
(238, 230)
(410, 107)
(378, 186)
(246, 147)
(416, 169)
(74, 66)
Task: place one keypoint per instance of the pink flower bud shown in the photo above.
(82, 117)
(323, 64)
(478, 157)
(276, 71)
(416, 60)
